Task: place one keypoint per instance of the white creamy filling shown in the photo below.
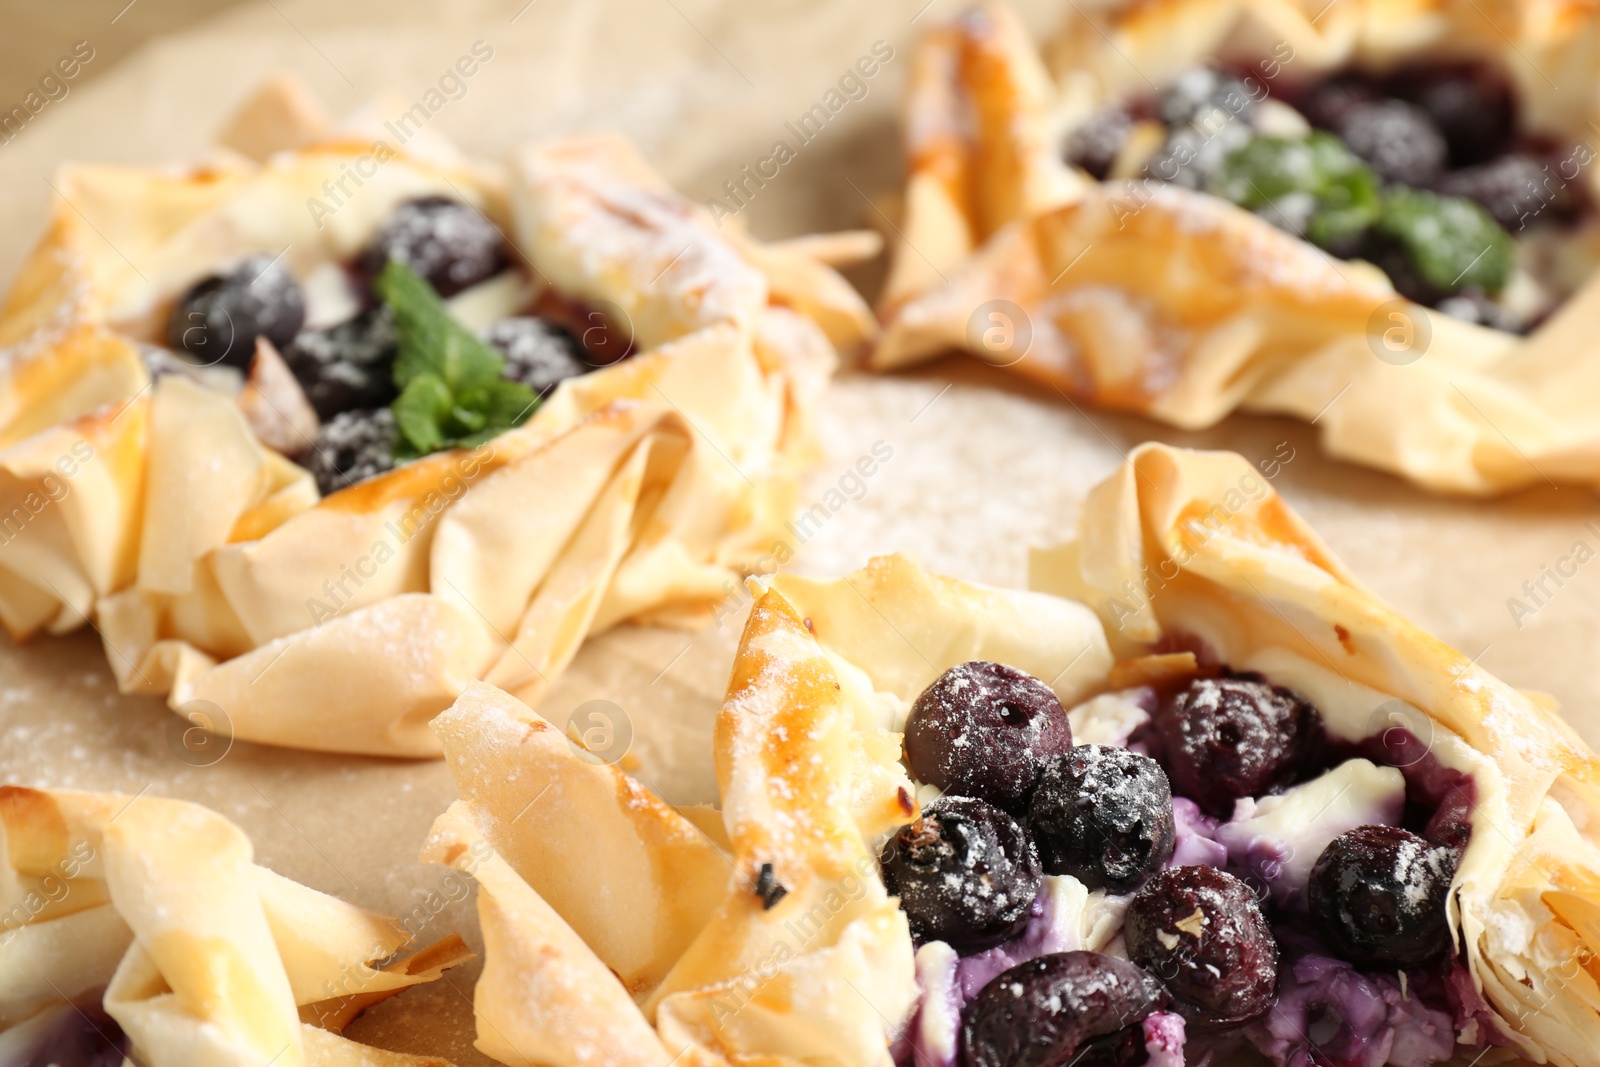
(1108, 719)
(329, 295)
(1280, 837)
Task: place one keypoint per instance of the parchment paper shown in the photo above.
(981, 466)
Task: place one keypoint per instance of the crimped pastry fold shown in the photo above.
(155, 908)
(1180, 306)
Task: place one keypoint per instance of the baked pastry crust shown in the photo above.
(638, 491)
(1182, 545)
(1179, 306)
(1178, 549)
(807, 766)
(155, 908)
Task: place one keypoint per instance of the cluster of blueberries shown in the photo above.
(1418, 170)
(346, 370)
(1021, 801)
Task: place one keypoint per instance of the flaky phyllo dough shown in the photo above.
(1175, 304)
(215, 574)
(618, 932)
(151, 911)
(1182, 547)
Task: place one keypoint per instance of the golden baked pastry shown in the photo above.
(1191, 587)
(1214, 556)
(140, 926)
(1161, 297)
(153, 503)
(661, 942)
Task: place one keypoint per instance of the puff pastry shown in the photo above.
(1177, 305)
(781, 945)
(212, 569)
(150, 911)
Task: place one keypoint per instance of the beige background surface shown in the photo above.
(979, 471)
(37, 34)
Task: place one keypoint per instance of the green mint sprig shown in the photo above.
(1453, 242)
(451, 391)
(1343, 188)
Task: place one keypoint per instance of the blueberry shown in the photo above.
(1391, 257)
(1470, 103)
(986, 730)
(1192, 92)
(450, 244)
(1326, 106)
(1452, 243)
(1378, 896)
(1516, 189)
(1193, 154)
(1208, 119)
(966, 874)
(351, 447)
(1176, 161)
(1202, 933)
(1398, 140)
(348, 367)
(220, 317)
(539, 354)
(1058, 1009)
(69, 1035)
(1095, 144)
(1231, 737)
(1451, 822)
(1103, 815)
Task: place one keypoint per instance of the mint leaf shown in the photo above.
(420, 412)
(507, 403)
(1346, 206)
(430, 340)
(1453, 243)
(1267, 170)
(451, 390)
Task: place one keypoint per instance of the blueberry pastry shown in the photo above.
(620, 930)
(1330, 841)
(330, 428)
(1354, 215)
(138, 929)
